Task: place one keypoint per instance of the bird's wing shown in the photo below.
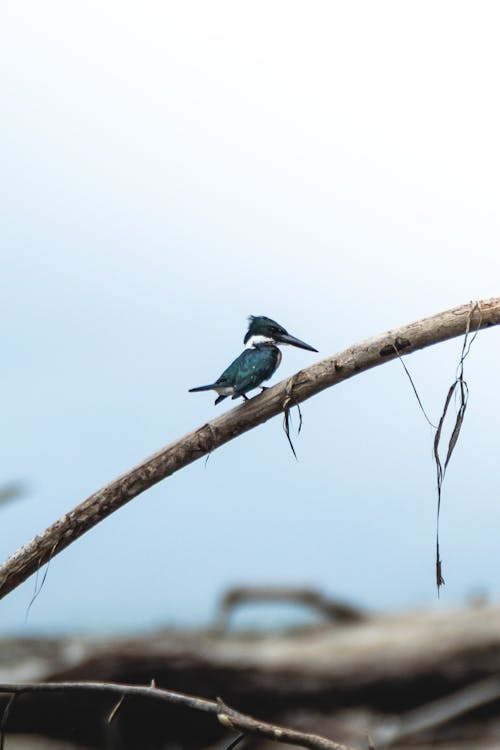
(229, 374)
(254, 366)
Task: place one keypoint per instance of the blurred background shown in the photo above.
(168, 169)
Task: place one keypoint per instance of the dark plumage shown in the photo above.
(255, 364)
(247, 372)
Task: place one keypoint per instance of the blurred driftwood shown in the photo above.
(328, 608)
(447, 645)
(392, 677)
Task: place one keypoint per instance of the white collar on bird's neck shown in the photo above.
(258, 339)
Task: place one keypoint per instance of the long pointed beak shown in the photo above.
(285, 338)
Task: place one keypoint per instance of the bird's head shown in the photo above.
(264, 330)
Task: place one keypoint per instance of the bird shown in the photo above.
(257, 362)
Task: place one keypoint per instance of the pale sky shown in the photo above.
(169, 168)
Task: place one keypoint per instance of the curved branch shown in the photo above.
(301, 386)
(329, 608)
(228, 717)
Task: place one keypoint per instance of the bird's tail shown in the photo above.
(202, 388)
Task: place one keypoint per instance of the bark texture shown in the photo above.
(205, 439)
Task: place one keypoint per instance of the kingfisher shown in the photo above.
(257, 362)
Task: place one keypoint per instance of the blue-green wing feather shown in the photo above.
(255, 366)
(248, 371)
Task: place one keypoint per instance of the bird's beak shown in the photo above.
(285, 338)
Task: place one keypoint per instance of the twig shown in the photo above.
(228, 717)
(287, 421)
(236, 742)
(330, 371)
(461, 384)
(38, 588)
(115, 709)
(417, 395)
(5, 718)
(439, 712)
(287, 415)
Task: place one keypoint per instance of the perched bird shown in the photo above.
(257, 362)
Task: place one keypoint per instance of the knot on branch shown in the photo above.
(207, 438)
(398, 345)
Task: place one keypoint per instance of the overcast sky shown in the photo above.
(169, 168)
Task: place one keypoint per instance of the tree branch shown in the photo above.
(301, 386)
(10, 492)
(396, 730)
(228, 717)
(331, 609)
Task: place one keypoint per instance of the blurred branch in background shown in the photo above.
(330, 609)
(12, 491)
